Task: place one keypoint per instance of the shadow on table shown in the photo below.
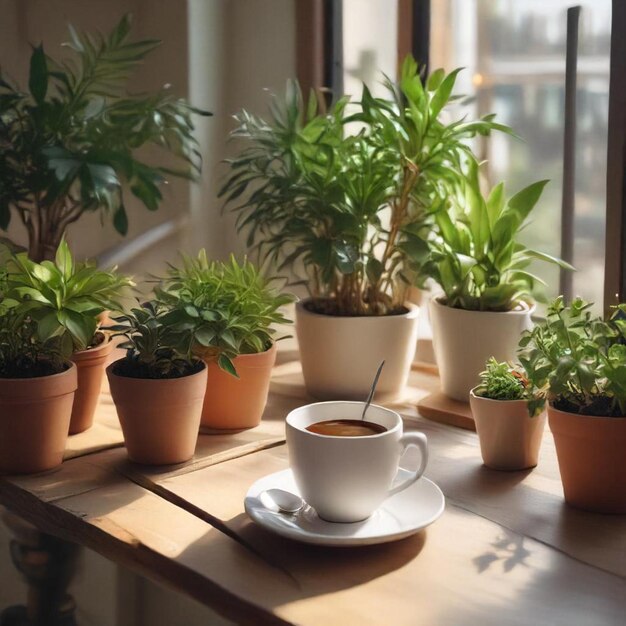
(318, 570)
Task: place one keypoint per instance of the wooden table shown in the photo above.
(506, 551)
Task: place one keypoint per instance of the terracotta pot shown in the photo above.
(236, 403)
(464, 340)
(34, 421)
(160, 418)
(509, 438)
(90, 366)
(592, 461)
(340, 355)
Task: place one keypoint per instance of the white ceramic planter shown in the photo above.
(340, 355)
(464, 340)
(509, 438)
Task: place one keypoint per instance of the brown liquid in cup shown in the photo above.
(346, 428)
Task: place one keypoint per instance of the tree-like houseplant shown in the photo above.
(235, 310)
(69, 297)
(509, 416)
(483, 270)
(159, 386)
(73, 142)
(37, 384)
(580, 359)
(349, 214)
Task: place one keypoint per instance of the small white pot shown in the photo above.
(464, 340)
(509, 438)
(340, 355)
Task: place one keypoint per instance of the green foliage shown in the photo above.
(503, 381)
(500, 381)
(71, 143)
(232, 306)
(62, 298)
(475, 256)
(158, 344)
(580, 360)
(22, 353)
(350, 208)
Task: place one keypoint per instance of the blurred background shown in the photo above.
(224, 55)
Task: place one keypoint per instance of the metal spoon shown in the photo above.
(373, 389)
(286, 501)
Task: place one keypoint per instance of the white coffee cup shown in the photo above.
(345, 479)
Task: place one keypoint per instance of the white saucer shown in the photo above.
(402, 515)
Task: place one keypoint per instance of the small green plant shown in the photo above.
(474, 253)
(351, 210)
(578, 359)
(71, 144)
(500, 381)
(62, 298)
(22, 353)
(504, 381)
(232, 306)
(157, 344)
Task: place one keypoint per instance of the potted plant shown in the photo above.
(235, 310)
(158, 387)
(482, 268)
(37, 384)
(72, 143)
(581, 360)
(509, 415)
(70, 296)
(349, 215)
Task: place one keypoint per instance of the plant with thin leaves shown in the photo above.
(578, 359)
(507, 382)
(233, 308)
(475, 255)
(62, 298)
(350, 212)
(71, 144)
(157, 343)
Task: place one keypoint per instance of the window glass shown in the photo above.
(514, 53)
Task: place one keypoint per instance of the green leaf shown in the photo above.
(38, 77)
(120, 220)
(227, 365)
(443, 93)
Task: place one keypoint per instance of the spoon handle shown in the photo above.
(373, 389)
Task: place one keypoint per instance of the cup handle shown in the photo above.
(417, 440)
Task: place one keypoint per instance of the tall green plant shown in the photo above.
(350, 211)
(579, 360)
(71, 144)
(475, 255)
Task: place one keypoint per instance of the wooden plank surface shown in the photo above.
(507, 550)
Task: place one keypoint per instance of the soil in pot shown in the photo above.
(340, 355)
(160, 417)
(509, 438)
(35, 416)
(237, 403)
(90, 365)
(590, 450)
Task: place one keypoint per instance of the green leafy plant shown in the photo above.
(233, 308)
(71, 143)
(22, 352)
(474, 253)
(350, 209)
(504, 381)
(158, 344)
(63, 298)
(579, 360)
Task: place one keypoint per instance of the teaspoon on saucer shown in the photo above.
(286, 501)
